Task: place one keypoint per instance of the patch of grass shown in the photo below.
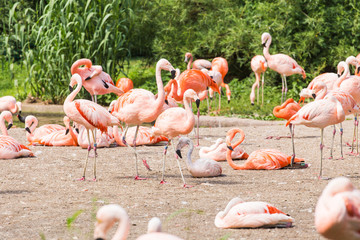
(12, 81)
(225, 237)
(42, 236)
(71, 219)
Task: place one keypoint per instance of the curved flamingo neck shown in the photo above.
(73, 94)
(2, 126)
(344, 74)
(211, 148)
(190, 62)
(78, 63)
(159, 102)
(266, 49)
(123, 228)
(321, 92)
(117, 135)
(189, 162)
(33, 124)
(174, 91)
(228, 151)
(190, 122)
(71, 132)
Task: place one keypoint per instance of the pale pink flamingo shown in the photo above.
(357, 69)
(240, 214)
(281, 63)
(124, 84)
(140, 106)
(103, 139)
(258, 66)
(9, 103)
(154, 232)
(220, 65)
(144, 137)
(202, 167)
(106, 217)
(265, 159)
(337, 212)
(318, 114)
(217, 151)
(198, 64)
(95, 81)
(9, 147)
(174, 122)
(88, 114)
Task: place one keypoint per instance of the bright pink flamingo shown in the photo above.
(9, 103)
(337, 212)
(103, 139)
(281, 63)
(95, 81)
(154, 232)
(176, 121)
(203, 167)
(144, 137)
(9, 147)
(88, 114)
(265, 159)
(220, 65)
(258, 65)
(240, 214)
(124, 84)
(217, 151)
(198, 64)
(318, 114)
(140, 106)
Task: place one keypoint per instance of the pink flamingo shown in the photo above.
(318, 114)
(357, 70)
(154, 232)
(124, 84)
(198, 64)
(203, 167)
(220, 65)
(103, 139)
(9, 103)
(140, 106)
(337, 212)
(217, 151)
(259, 66)
(240, 214)
(265, 159)
(174, 122)
(88, 114)
(9, 147)
(281, 63)
(95, 81)
(144, 137)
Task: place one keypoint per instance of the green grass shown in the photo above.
(9, 79)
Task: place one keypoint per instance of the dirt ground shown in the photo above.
(40, 197)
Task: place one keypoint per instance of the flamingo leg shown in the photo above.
(208, 105)
(87, 155)
(321, 151)
(293, 145)
(95, 145)
(164, 159)
(341, 140)
(332, 143)
(219, 101)
(282, 88)
(177, 159)
(198, 123)
(262, 88)
(136, 155)
(258, 93)
(286, 89)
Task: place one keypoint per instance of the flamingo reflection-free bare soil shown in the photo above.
(40, 197)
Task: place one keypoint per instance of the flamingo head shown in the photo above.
(264, 38)
(6, 115)
(341, 67)
(166, 65)
(187, 57)
(230, 136)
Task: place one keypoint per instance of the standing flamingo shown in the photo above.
(154, 232)
(124, 84)
(198, 64)
(266, 159)
(337, 212)
(240, 214)
(9, 103)
(140, 106)
(203, 167)
(88, 114)
(217, 151)
(281, 63)
(174, 122)
(259, 66)
(9, 147)
(220, 65)
(318, 114)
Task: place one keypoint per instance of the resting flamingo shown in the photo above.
(203, 167)
(144, 137)
(198, 64)
(141, 106)
(318, 114)
(103, 139)
(9, 147)
(258, 65)
(9, 103)
(124, 84)
(88, 114)
(154, 232)
(217, 151)
(174, 122)
(265, 159)
(240, 214)
(337, 212)
(95, 81)
(281, 63)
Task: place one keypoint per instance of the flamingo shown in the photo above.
(124, 84)
(104, 139)
(318, 114)
(144, 137)
(258, 65)
(95, 81)
(9, 103)
(281, 63)
(88, 114)
(220, 65)
(106, 217)
(266, 159)
(240, 214)
(174, 122)
(154, 232)
(217, 151)
(203, 167)
(198, 64)
(10, 147)
(357, 69)
(337, 212)
(139, 106)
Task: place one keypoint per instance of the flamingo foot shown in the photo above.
(187, 186)
(93, 180)
(81, 179)
(139, 178)
(146, 164)
(348, 144)
(323, 178)
(352, 154)
(331, 157)
(163, 182)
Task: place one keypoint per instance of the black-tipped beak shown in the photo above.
(197, 101)
(9, 126)
(173, 72)
(211, 98)
(186, 60)
(212, 77)
(264, 44)
(230, 147)
(228, 101)
(166, 101)
(178, 152)
(67, 131)
(99, 239)
(77, 130)
(358, 69)
(252, 104)
(70, 88)
(21, 118)
(20, 112)
(313, 95)
(88, 78)
(28, 130)
(339, 75)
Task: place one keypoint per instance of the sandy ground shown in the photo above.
(39, 195)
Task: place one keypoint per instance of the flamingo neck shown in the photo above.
(73, 94)
(78, 63)
(266, 49)
(190, 122)
(159, 102)
(228, 152)
(190, 62)
(33, 125)
(123, 229)
(175, 94)
(189, 162)
(117, 135)
(322, 93)
(3, 127)
(344, 74)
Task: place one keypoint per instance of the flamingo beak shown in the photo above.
(302, 99)
(166, 101)
(99, 239)
(230, 147)
(264, 44)
(28, 130)
(67, 131)
(173, 72)
(9, 126)
(21, 118)
(77, 130)
(70, 88)
(339, 75)
(304, 75)
(186, 59)
(88, 78)
(357, 70)
(197, 101)
(313, 95)
(178, 152)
